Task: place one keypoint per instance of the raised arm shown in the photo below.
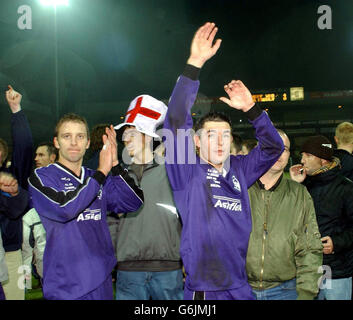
(270, 145)
(178, 122)
(21, 163)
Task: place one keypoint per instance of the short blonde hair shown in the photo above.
(344, 133)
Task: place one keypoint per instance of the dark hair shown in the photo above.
(71, 117)
(96, 136)
(50, 148)
(237, 141)
(212, 116)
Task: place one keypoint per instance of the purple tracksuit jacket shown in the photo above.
(79, 254)
(215, 209)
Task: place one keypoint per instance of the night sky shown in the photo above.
(111, 51)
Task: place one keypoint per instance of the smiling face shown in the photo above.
(214, 142)
(134, 141)
(72, 142)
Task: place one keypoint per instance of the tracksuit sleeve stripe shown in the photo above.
(117, 170)
(61, 198)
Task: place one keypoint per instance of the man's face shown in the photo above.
(282, 162)
(134, 141)
(42, 158)
(311, 163)
(72, 141)
(214, 142)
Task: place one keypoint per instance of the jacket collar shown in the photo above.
(273, 188)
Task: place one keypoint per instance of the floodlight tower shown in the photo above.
(54, 4)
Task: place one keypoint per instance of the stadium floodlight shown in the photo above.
(54, 3)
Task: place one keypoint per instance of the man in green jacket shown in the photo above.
(285, 251)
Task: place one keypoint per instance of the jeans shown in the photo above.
(285, 291)
(336, 289)
(136, 285)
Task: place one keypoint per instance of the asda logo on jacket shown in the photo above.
(89, 214)
(227, 203)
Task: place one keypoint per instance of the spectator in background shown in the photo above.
(344, 141)
(21, 166)
(46, 154)
(332, 194)
(248, 145)
(149, 263)
(33, 244)
(236, 145)
(96, 145)
(285, 250)
(13, 202)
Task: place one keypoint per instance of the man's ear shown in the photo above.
(56, 143)
(197, 141)
(88, 144)
(336, 140)
(52, 157)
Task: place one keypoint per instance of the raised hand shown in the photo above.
(111, 134)
(297, 173)
(13, 99)
(8, 184)
(105, 157)
(202, 47)
(239, 95)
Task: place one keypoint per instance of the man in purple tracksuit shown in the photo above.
(211, 192)
(72, 202)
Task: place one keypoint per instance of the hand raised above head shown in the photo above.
(202, 46)
(13, 98)
(240, 97)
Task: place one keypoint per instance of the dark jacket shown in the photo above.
(346, 161)
(332, 194)
(21, 166)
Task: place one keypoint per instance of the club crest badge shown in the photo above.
(236, 183)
